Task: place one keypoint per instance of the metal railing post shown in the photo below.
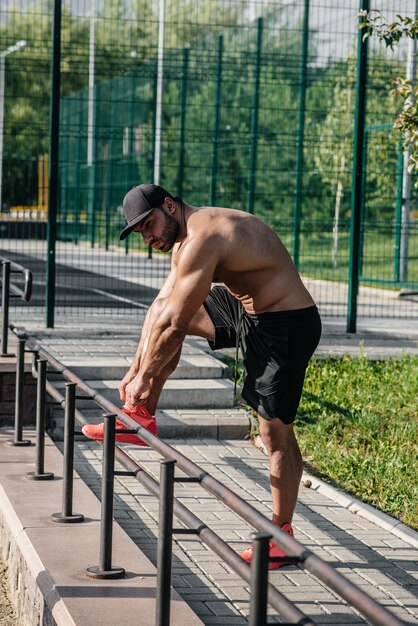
(39, 473)
(5, 307)
(105, 569)
(259, 580)
(295, 553)
(67, 516)
(165, 543)
(20, 376)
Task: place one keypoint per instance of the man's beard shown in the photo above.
(170, 232)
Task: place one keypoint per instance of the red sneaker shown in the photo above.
(274, 551)
(138, 413)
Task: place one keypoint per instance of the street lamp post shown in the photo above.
(3, 55)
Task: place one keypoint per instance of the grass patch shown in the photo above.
(357, 427)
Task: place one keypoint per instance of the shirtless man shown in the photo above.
(263, 301)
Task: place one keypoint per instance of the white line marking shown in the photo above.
(120, 298)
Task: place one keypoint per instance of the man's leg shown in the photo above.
(285, 474)
(285, 467)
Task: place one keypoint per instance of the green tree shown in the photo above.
(124, 39)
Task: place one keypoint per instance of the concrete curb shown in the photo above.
(35, 569)
(383, 520)
(47, 562)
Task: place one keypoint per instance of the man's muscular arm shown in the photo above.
(152, 314)
(195, 268)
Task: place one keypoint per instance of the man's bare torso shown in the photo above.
(252, 262)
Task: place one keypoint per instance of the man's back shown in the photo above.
(251, 260)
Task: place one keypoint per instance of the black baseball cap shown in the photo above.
(139, 202)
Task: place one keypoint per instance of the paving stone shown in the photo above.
(379, 562)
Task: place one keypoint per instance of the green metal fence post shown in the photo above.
(300, 136)
(53, 165)
(90, 203)
(216, 124)
(110, 165)
(407, 178)
(183, 109)
(108, 204)
(154, 132)
(357, 178)
(91, 212)
(254, 119)
(132, 169)
(398, 215)
(363, 202)
(78, 194)
(64, 173)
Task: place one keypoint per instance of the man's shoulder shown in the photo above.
(210, 220)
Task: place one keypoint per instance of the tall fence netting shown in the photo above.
(258, 113)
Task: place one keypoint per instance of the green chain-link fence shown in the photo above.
(258, 113)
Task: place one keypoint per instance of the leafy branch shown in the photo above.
(390, 34)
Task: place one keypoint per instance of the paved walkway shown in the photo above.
(381, 564)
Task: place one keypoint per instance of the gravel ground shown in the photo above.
(7, 611)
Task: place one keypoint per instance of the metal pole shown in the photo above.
(407, 179)
(78, 185)
(90, 112)
(374, 612)
(363, 203)
(156, 121)
(398, 215)
(216, 124)
(357, 177)
(165, 543)
(107, 163)
(5, 307)
(53, 165)
(254, 120)
(2, 79)
(259, 580)
(90, 128)
(300, 136)
(20, 380)
(67, 516)
(159, 100)
(105, 569)
(107, 493)
(183, 110)
(39, 473)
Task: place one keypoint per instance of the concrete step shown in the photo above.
(107, 357)
(220, 423)
(196, 365)
(177, 394)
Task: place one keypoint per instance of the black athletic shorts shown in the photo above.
(276, 349)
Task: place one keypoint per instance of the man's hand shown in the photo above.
(137, 391)
(124, 382)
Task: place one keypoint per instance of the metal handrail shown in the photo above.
(276, 599)
(366, 605)
(26, 293)
(8, 268)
